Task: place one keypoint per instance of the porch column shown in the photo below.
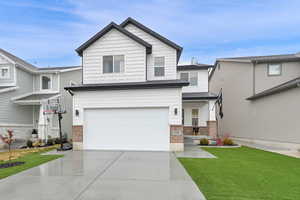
(42, 124)
(211, 123)
(212, 110)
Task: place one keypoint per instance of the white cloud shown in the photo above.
(206, 29)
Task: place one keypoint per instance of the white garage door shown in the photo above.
(127, 129)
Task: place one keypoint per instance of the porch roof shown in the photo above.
(35, 98)
(199, 96)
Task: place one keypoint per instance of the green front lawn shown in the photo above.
(31, 160)
(245, 174)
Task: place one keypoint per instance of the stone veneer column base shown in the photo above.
(77, 132)
(212, 128)
(176, 138)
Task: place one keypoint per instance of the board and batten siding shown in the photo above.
(202, 81)
(114, 43)
(159, 49)
(142, 98)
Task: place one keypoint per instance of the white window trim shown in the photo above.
(159, 66)
(198, 118)
(185, 73)
(268, 70)
(51, 82)
(8, 70)
(189, 78)
(114, 64)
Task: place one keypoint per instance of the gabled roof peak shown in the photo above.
(154, 34)
(106, 29)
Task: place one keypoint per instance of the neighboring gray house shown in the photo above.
(133, 92)
(261, 98)
(24, 88)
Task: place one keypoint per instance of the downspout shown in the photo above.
(253, 85)
(82, 70)
(146, 66)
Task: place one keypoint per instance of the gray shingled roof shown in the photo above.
(17, 60)
(58, 68)
(194, 67)
(280, 88)
(199, 96)
(36, 97)
(268, 58)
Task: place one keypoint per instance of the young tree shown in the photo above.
(8, 139)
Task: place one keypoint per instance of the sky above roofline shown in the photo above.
(46, 33)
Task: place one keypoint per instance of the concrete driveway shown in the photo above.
(108, 175)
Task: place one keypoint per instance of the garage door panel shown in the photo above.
(127, 129)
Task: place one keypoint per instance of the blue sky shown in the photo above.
(45, 33)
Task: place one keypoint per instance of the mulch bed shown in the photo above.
(10, 164)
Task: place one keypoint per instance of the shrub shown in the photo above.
(50, 142)
(29, 143)
(57, 141)
(228, 141)
(204, 141)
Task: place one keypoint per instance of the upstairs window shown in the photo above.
(159, 66)
(113, 64)
(45, 82)
(274, 69)
(194, 78)
(4, 73)
(184, 76)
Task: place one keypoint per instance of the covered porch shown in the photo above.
(198, 114)
(46, 125)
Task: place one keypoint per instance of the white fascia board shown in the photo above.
(72, 69)
(16, 125)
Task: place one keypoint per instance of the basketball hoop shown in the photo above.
(54, 106)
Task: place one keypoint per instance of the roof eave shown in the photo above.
(126, 87)
(274, 91)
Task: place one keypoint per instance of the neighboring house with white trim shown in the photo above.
(23, 90)
(260, 99)
(133, 93)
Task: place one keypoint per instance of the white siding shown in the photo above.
(203, 113)
(11, 81)
(114, 43)
(129, 98)
(202, 82)
(158, 49)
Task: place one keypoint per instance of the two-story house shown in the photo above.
(261, 99)
(132, 93)
(24, 89)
